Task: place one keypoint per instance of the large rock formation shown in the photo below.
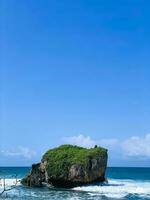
(68, 166)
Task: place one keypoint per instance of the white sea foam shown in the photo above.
(8, 183)
(114, 189)
(118, 188)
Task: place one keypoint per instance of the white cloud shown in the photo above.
(86, 141)
(20, 151)
(137, 146)
(134, 146)
(80, 140)
(109, 143)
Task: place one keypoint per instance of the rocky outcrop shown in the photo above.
(68, 166)
(36, 176)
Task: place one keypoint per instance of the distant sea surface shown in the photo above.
(124, 183)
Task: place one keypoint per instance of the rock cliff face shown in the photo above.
(36, 176)
(68, 166)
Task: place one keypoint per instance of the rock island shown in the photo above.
(68, 166)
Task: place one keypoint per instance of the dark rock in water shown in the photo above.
(68, 166)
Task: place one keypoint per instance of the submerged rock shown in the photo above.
(68, 166)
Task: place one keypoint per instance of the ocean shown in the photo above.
(123, 183)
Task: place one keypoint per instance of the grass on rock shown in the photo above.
(61, 158)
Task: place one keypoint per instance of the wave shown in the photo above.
(115, 189)
(8, 183)
(118, 188)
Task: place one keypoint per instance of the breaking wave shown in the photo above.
(118, 188)
(115, 189)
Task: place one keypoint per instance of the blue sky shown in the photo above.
(75, 72)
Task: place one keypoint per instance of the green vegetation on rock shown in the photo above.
(60, 159)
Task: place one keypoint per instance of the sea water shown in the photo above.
(123, 183)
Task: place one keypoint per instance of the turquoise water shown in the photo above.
(124, 183)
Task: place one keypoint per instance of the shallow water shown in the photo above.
(124, 183)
